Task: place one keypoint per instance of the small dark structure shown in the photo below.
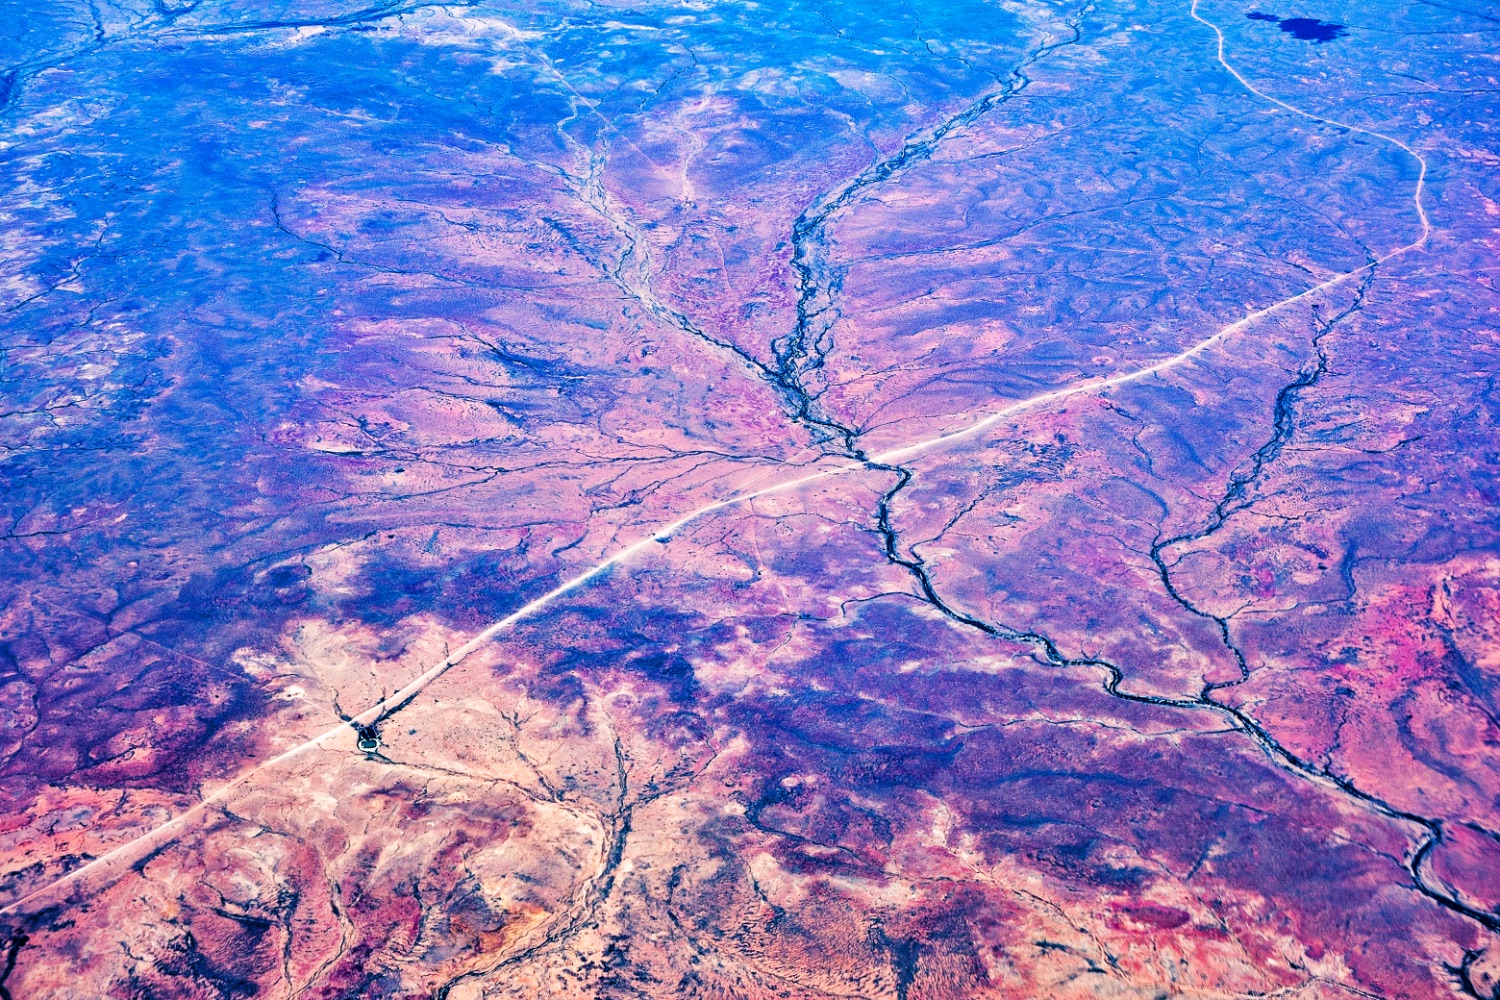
(369, 738)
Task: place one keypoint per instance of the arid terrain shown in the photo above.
(560, 499)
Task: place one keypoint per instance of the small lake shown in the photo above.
(1308, 29)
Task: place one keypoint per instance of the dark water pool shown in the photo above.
(1308, 29)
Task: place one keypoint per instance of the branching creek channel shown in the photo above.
(803, 350)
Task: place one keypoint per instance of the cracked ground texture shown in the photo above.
(981, 498)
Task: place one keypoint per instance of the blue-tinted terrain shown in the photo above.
(940, 500)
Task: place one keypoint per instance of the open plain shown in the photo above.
(659, 498)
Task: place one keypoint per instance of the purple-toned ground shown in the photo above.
(971, 498)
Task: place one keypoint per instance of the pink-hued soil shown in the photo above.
(587, 500)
